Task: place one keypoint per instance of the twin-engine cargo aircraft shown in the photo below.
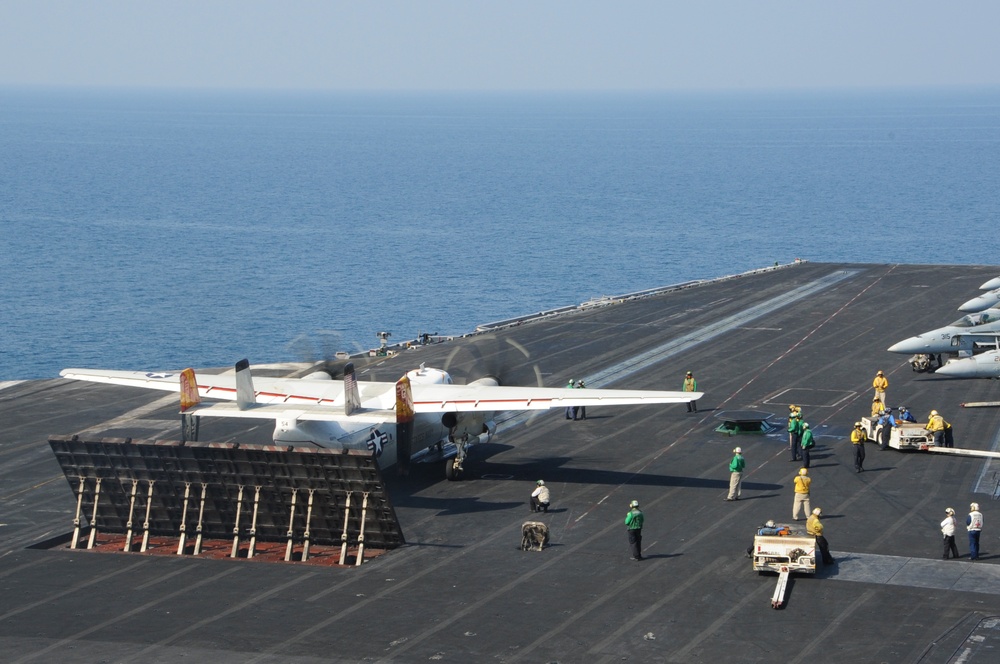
(423, 411)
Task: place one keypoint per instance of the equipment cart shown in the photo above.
(783, 549)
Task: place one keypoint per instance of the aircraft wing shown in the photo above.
(324, 400)
(266, 390)
(442, 398)
(150, 380)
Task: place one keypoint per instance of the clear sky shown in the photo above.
(500, 45)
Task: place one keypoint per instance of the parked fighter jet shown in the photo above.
(988, 299)
(984, 365)
(959, 337)
(991, 284)
(422, 411)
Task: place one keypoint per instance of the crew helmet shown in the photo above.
(857, 424)
(634, 503)
(805, 425)
(770, 523)
(738, 450)
(879, 373)
(974, 507)
(689, 373)
(933, 413)
(540, 482)
(950, 511)
(817, 511)
(803, 471)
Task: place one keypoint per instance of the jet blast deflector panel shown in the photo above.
(178, 472)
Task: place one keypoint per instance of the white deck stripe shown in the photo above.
(683, 343)
(687, 341)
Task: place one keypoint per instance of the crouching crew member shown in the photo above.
(540, 497)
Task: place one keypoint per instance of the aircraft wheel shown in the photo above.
(450, 472)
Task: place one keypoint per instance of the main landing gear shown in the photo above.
(453, 469)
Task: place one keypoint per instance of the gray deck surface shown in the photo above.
(461, 591)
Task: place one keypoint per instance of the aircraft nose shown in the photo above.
(965, 368)
(984, 301)
(991, 284)
(974, 305)
(911, 345)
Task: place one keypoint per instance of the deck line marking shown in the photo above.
(680, 344)
(716, 329)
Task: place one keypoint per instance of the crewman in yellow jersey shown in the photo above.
(881, 383)
(815, 527)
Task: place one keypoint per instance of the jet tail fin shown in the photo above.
(189, 390)
(244, 385)
(352, 398)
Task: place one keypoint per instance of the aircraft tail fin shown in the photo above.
(352, 398)
(189, 390)
(244, 385)
(404, 423)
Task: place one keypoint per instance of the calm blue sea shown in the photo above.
(157, 230)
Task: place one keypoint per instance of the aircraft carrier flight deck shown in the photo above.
(461, 590)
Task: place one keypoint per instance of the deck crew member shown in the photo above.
(877, 407)
(795, 434)
(570, 410)
(690, 385)
(974, 524)
(905, 415)
(802, 482)
(581, 411)
(887, 422)
(948, 531)
(807, 443)
(881, 383)
(633, 525)
(936, 425)
(815, 527)
(736, 467)
(540, 497)
(858, 439)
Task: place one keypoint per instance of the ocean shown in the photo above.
(164, 229)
